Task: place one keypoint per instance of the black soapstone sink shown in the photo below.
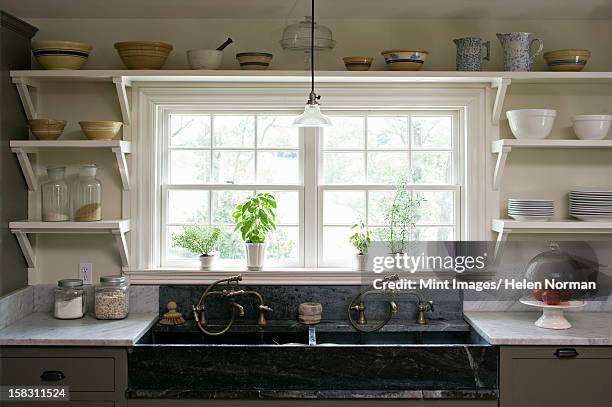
(184, 363)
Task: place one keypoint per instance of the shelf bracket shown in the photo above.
(121, 83)
(26, 247)
(502, 237)
(123, 167)
(502, 86)
(502, 154)
(25, 94)
(122, 247)
(26, 168)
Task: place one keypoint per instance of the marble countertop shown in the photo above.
(42, 329)
(517, 328)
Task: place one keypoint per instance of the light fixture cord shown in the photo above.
(312, 56)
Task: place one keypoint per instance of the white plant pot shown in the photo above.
(206, 262)
(255, 255)
(360, 261)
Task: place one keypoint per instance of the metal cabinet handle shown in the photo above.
(566, 353)
(52, 376)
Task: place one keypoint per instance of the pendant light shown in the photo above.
(312, 116)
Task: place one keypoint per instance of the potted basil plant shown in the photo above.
(360, 240)
(255, 218)
(199, 240)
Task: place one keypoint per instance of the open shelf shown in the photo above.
(117, 228)
(504, 227)
(503, 147)
(122, 79)
(24, 147)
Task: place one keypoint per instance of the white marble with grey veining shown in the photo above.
(42, 329)
(16, 305)
(517, 328)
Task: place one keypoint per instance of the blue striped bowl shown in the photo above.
(567, 60)
(61, 54)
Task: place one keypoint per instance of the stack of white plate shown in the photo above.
(531, 209)
(593, 205)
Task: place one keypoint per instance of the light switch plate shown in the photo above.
(85, 272)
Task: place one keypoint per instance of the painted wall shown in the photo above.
(530, 173)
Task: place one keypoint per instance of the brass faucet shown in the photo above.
(230, 295)
(357, 305)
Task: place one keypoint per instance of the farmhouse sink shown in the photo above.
(254, 363)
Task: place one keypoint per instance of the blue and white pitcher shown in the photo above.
(517, 50)
(469, 53)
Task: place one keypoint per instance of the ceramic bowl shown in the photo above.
(101, 129)
(531, 123)
(254, 60)
(143, 54)
(592, 126)
(61, 54)
(357, 63)
(47, 129)
(405, 59)
(567, 60)
(204, 58)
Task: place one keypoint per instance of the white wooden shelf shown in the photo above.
(24, 147)
(122, 79)
(117, 228)
(503, 147)
(504, 227)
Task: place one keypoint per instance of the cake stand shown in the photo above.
(552, 315)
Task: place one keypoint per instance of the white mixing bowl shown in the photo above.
(592, 126)
(531, 123)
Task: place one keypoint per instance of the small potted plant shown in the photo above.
(199, 240)
(255, 218)
(360, 240)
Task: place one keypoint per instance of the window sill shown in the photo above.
(270, 276)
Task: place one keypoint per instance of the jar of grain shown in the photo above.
(112, 297)
(55, 201)
(87, 195)
(69, 299)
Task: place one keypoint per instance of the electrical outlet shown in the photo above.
(85, 272)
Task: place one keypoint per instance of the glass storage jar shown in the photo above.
(87, 195)
(55, 200)
(69, 299)
(112, 297)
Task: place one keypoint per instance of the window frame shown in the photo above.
(148, 102)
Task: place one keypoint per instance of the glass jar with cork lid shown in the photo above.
(112, 297)
(87, 195)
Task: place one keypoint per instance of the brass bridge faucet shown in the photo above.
(230, 295)
(357, 305)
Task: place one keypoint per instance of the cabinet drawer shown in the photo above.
(558, 376)
(81, 374)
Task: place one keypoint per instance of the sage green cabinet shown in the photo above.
(559, 376)
(97, 377)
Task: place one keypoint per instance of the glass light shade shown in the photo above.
(296, 37)
(312, 117)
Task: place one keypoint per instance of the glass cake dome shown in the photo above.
(296, 37)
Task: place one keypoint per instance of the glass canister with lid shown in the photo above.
(55, 201)
(69, 299)
(87, 195)
(112, 297)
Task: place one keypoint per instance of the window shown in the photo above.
(199, 150)
(363, 159)
(215, 159)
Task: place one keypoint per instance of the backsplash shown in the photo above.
(285, 299)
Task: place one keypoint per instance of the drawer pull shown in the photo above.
(52, 376)
(566, 353)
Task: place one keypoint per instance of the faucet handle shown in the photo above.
(261, 321)
(265, 308)
(430, 305)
